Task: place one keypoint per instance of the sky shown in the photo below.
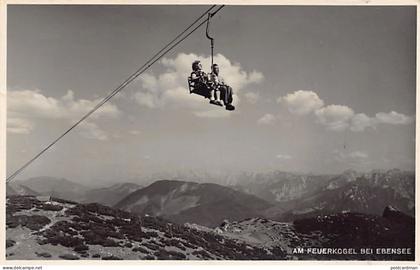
(317, 90)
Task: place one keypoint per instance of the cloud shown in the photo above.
(256, 77)
(149, 81)
(212, 114)
(146, 99)
(252, 97)
(393, 118)
(267, 119)
(26, 106)
(283, 156)
(178, 97)
(301, 102)
(335, 117)
(214, 111)
(33, 104)
(19, 126)
(338, 117)
(90, 130)
(169, 88)
(361, 121)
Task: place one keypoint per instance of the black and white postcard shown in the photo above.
(210, 132)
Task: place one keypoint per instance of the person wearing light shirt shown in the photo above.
(218, 84)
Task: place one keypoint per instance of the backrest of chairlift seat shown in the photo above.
(192, 90)
(190, 84)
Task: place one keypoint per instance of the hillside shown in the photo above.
(205, 204)
(109, 196)
(58, 187)
(59, 229)
(19, 189)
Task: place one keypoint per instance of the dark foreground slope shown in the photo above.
(59, 229)
(384, 237)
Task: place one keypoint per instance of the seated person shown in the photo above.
(215, 96)
(198, 76)
(199, 80)
(201, 84)
(217, 83)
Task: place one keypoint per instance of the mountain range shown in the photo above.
(57, 187)
(69, 190)
(278, 186)
(298, 196)
(277, 196)
(366, 194)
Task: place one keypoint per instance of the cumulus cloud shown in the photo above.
(256, 77)
(267, 119)
(169, 88)
(26, 106)
(393, 118)
(361, 121)
(91, 130)
(212, 113)
(19, 126)
(33, 104)
(252, 97)
(301, 102)
(146, 99)
(334, 117)
(338, 117)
